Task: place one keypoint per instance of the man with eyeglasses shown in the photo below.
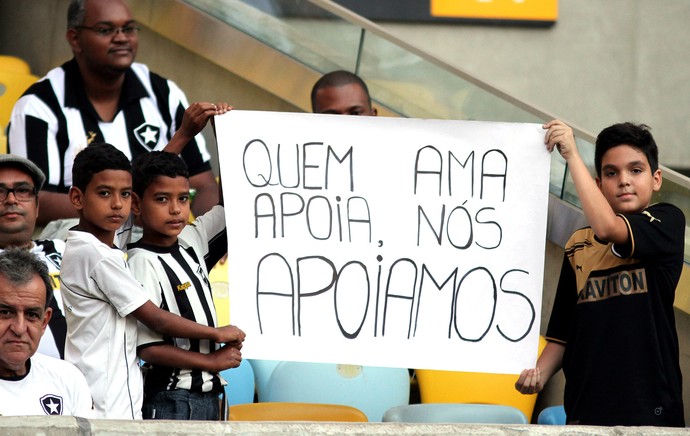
(20, 181)
(102, 95)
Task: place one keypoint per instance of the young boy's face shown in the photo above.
(164, 210)
(627, 180)
(106, 203)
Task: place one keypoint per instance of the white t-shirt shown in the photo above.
(98, 294)
(51, 387)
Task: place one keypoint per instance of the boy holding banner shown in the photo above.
(182, 380)
(612, 327)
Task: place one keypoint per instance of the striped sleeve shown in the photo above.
(37, 120)
(213, 235)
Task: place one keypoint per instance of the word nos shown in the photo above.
(459, 226)
(351, 285)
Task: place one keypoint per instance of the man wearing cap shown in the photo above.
(20, 181)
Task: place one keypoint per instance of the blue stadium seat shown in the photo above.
(554, 415)
(373, 390)
(240, 387)
(263, 369)
(455, 413)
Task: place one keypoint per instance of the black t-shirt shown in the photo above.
(614, 313)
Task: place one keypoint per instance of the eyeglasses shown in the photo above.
(22, 193)
(105, 31)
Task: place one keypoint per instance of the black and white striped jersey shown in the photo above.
(54, 120)
(176, 278)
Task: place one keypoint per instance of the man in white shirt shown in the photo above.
(30, 383)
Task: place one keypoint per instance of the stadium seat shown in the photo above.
(554, 415)
(14, 64)
(373, 390)
(240, 387)
(3, 140)
(295, 412)
(474, 388)
(218, 277)
(12, 86)
(455, 413)
(263, 368)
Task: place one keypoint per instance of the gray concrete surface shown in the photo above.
(64, 425)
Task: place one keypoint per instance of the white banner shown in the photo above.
(387, 242)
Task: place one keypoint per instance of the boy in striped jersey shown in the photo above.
(182, 380)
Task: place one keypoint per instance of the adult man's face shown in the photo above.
(101, 53)
(23, 319)
(348, 99)
(17, 217)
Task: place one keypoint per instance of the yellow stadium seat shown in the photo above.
(473, 387)
(295, 412)
(218, 277)
(3, 140)
(14, 64)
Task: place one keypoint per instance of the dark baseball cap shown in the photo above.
(11, 160)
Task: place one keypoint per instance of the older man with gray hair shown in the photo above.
(30, 383)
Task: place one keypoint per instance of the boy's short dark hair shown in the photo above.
(338, 78)
(95, 158)
(637, 136)
(146, 167)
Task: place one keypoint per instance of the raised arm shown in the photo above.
(606, 224)
(195, 118)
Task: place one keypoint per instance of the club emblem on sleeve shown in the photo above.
(651, 218)
(147, 135)
(52, 404)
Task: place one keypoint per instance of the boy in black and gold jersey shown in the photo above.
(612, 327)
